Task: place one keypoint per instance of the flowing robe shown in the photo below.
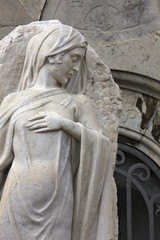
(56, 188)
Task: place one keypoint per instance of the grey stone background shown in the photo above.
(126, 35)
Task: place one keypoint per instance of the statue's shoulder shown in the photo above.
(12, 99)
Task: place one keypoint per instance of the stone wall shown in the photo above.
(124, 33)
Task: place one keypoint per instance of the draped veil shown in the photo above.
(56, 39)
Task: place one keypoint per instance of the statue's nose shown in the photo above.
(76, 66)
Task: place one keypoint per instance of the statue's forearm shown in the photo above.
(72, 128)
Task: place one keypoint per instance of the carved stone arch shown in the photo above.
(140, 122)
(137, 172)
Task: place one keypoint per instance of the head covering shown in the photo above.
(56, 39)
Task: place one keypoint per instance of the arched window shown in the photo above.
(138, 185)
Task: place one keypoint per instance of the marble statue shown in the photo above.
(59, 161)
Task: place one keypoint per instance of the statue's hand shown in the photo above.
(44, 122)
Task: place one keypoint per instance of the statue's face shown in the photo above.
(67, 65)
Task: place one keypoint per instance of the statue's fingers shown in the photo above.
(40, 116)
(35, 122)
(37, 126)
(45, 129)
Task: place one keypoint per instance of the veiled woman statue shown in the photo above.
(59, 159)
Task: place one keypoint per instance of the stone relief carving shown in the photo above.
(103, 15)
(131, 114)
(60, 182)
(34, 8)
(13, 13)
(141, 114)
(76, 3)
(155, 124)
(95, 16)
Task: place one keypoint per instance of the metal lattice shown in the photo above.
(138, 185)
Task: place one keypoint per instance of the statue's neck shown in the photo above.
(45, 80)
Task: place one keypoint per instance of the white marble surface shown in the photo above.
(60, 182)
